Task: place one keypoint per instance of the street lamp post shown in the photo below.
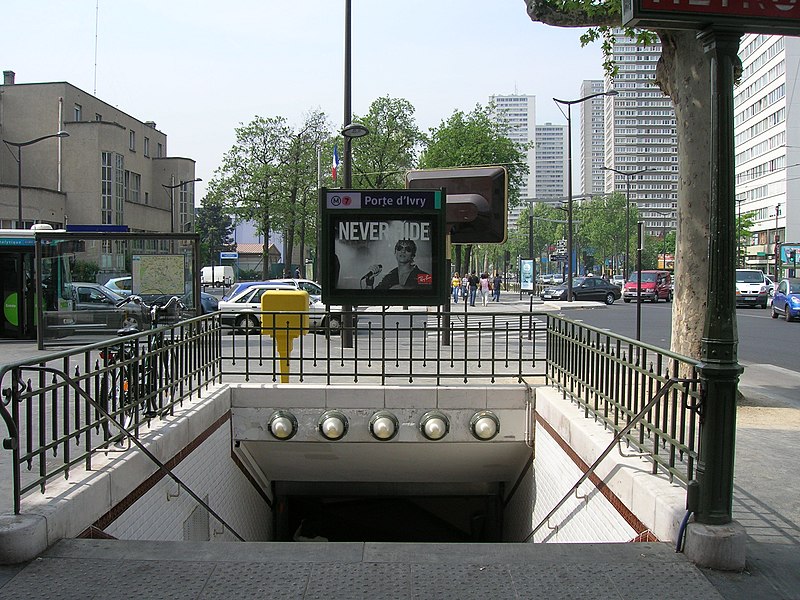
(568, 104)
(18, 158)
(171, 191)
(627, 175)
(350, 130)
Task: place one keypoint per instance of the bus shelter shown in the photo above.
(48, 274)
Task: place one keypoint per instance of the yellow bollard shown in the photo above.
(284, 328)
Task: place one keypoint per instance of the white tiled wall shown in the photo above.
(209, 471)
(592, 519)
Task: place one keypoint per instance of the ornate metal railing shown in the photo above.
(52, 430)
(612, 377)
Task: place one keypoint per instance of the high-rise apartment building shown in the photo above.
(592, 133)
(551, 161)
(641, 135)
(518, 113)
(767, 142)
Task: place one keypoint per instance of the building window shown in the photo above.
(134, 187)
(159, 150)
(146, 149)
(106, 188)
(132, 141)
(78, 113)
(98, 117)
(119, 189)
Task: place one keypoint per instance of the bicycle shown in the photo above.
(139, 369)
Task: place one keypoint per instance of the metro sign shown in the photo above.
(779, 17)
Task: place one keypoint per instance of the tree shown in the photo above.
(602, 226)
(471, 140)
(215, 227)
(249, 180)
(683, 73)
(381, 158)
(296, 208)
(744, 232)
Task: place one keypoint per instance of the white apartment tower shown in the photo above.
(551, 161)
(592, 138)
(767, 141)
(641, 135)
(518, 113)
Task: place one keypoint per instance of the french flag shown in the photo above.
(335, 165)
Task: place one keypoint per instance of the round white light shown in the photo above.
(434, 425)
(333, 425)
(484, 425)
(282, 425)
(383, 425)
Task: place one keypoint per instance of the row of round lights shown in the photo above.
(383, 426)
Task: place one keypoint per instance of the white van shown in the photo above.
(216, 276)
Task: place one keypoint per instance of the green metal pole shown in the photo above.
(719, 369)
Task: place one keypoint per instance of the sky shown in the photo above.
(199, 69)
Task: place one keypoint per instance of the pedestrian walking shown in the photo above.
(473, 288)
(496, 283)
(456, 285)
(484, 285)
(465, 287)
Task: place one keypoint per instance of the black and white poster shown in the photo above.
(390, 254)
(385, 248)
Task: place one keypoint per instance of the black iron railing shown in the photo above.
(612, 377)
(51, 430)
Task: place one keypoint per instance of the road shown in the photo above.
(762, 339)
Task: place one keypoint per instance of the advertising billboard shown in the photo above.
(383, 247)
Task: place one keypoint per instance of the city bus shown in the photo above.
(20, 276)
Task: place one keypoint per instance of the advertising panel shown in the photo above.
(526, 275)
(383, 247)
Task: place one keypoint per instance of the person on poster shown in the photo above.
(406, 275)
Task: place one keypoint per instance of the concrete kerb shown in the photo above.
(68, 507)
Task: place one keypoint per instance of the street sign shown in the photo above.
(228, 255)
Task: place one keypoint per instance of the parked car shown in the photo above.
(313, 288)
(584, 288)
(242, 309)
(752, 288)
(120, 285)
(786, 301)
(770, 286)
(654, 286)
(96, 307)
(618, 280)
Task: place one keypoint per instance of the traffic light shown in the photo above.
(477, 201)
(792, 255)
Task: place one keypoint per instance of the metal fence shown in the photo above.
(63, 409)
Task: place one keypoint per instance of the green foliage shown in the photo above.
(83, 270)
(476, 139)
(215, 228)
(382, 158)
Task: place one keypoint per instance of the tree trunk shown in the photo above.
(683, 73)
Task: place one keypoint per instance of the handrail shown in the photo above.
(617, 438)
(82, 393)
